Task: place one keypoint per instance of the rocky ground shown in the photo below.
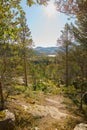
(49, 112)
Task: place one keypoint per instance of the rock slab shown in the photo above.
(81, 126)
(8, 122)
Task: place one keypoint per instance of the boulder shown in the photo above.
(81, 126)
(7, 120)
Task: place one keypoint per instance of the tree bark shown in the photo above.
(67, 74)
(25, 69)
(81, 98)
(1, 96)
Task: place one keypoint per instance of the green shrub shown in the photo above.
(19, 88)
(28, 93)
(40, 86)
(2, 115)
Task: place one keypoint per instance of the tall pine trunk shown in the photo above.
(1, 96)
(25, 69)
(67, 68)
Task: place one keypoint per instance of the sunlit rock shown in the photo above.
(81, 126)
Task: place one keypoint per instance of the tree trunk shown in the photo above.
(1, 96)
(25, 69)
(67, 76)
(81, 98)
(81, 104)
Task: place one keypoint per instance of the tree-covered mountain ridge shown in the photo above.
(47, 50)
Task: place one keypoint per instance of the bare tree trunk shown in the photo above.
(25, 70)
(1, 96)
(67, 68)
(81, 103)
(67, 55)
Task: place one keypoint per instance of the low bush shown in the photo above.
(2, 115)
(19, 88)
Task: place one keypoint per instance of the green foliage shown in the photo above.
(40, 86)
(2, 115)
(72, 97)
(68, 89)
(29, 93)
(30, 2)
(12, 33)
(41, 2)
(19, 88)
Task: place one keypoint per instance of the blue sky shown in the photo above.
(45, 23)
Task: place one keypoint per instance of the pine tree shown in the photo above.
(80, 34)
(25, 43)
(9, 11)
(71, 7)
(65, 42)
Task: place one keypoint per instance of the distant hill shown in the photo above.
(47, 50)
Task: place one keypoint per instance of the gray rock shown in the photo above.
(8, 122)
(81, 126)
(36, 128)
